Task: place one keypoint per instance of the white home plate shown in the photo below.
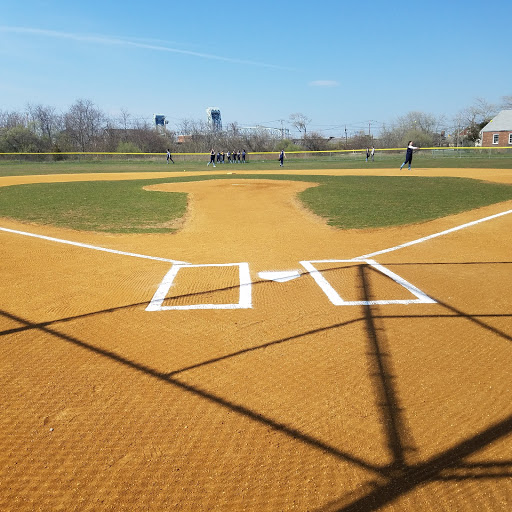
(280, 277)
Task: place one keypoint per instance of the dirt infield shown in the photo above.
(258, 359)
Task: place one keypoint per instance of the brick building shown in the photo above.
(498, 132)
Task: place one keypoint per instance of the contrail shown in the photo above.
(114, 41)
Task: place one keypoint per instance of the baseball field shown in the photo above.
(256, 357)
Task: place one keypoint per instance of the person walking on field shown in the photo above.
(169, 156)
(408, 154)
(282, 156)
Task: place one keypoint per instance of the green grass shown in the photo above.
(347, 202)
(372, 201)
(386, 160)
(105, 206)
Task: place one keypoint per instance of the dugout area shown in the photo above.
(392, 393)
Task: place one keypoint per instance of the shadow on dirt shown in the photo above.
(399, 477)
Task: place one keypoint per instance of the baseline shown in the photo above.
(94, 247)
(430, 237)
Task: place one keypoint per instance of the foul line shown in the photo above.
(94, 247)
(429, 237)
(178, 262)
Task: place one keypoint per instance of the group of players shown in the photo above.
(232, 157)
(239, 156)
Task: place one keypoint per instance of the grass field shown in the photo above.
(301, 162)
(348, 202)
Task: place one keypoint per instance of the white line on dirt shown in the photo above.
(430, 237)
(245, 300)
(364, 256)
(94, 247)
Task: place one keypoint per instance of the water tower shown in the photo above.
(214, 119)
(160, 122)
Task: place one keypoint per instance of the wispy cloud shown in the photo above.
(133, 43)
(324, 83)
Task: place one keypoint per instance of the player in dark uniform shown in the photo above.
(212, 158)
(282, 156)
(408, 154)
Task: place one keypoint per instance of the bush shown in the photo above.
(127, 147)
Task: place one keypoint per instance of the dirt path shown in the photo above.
(285, 401)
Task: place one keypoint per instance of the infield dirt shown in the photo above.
(290, 404)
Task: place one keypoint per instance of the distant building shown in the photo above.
(181, 139)
(214, 119)
(498, 132)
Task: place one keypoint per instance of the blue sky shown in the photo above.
(339, 63)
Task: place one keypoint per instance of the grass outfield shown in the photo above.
(347, 202)
(384, 160)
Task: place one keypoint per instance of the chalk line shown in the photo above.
(94, 247)
(430, 237)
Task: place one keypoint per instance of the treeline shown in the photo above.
(86, 128)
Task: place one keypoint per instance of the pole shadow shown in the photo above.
(400, 477)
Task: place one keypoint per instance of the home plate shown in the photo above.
(280, 277)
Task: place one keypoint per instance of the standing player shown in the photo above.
(282, 156)
(212, 158)
(169, 156)
(408, 154)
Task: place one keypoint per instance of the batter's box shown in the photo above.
(327, 286)
(215, 286)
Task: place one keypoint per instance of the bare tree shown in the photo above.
(315, 141)
(84, 124)
(472, 119)
(12, 119)
(506, 103)
(45, 121)
(300, 121)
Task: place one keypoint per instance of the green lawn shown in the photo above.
(384, 159)
(346, 202)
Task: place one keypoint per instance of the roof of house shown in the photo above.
(502, 122)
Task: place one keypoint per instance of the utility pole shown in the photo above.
(346, 141)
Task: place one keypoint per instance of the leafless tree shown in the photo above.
(471, 120)
(314, 141)
(506, 103)
(84, 124)
(300, 121)
(12, 119)
(45, 121)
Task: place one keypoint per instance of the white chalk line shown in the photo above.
(156, 258)
(337, 300)
(245, 280)
(430, 237)
(94, 247)
(245, 300)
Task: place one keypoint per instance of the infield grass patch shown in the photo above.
(105, 206)
(356, 202)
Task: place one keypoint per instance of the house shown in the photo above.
(498, 132)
